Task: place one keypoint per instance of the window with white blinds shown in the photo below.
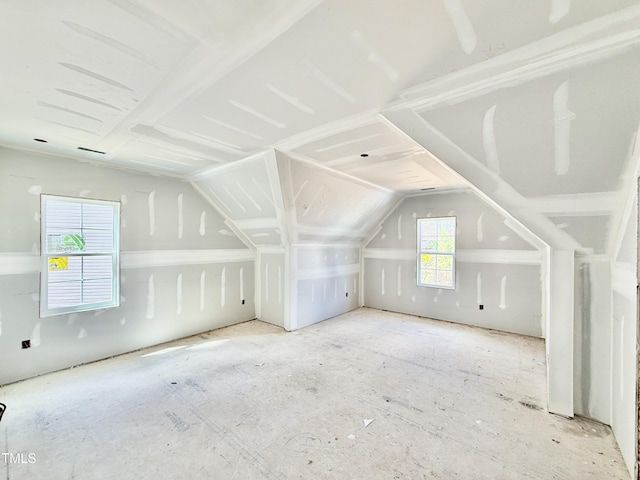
(437, 252)
(80, 255)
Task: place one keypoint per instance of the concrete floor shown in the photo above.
(251, 401)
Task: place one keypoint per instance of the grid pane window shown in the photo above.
(436, 252)
(80, 243)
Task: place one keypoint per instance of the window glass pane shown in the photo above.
(64, 240)
(63, 214)
(446, 227)
(428, 228)
(64, 294)
(98, 267)
(98, 241)
(98, 290)
(97, 216)
(79, 258)
(446, 244)
(64, 269)
(427, 276)
(436, 243)
(445, 262)
(445, 278)
(427, 261)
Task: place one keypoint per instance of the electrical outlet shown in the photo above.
(346, 294)
(26, 344)
(481, 307)
(243, 301)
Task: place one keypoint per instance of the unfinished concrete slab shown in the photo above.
(366, 395)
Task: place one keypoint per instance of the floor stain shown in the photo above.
(180, 424)
(400, 403)
(303, 444)
(531, 406)
(195, 385)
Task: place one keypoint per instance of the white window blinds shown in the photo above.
(80, 240)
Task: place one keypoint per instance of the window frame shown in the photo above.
(420, 251)
(45, 311)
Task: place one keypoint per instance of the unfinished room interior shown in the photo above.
(333, 239)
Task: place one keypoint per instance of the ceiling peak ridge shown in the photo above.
(201, 68)
(585, 43)
(233, 165)
(361, 119)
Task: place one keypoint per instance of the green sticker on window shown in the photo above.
(74, 240)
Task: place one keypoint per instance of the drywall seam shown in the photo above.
(502, 198)
(361, 276)
(150, 298)
(513, 257)
(325, 245)
(293, 101)
(21, 263)
(179, 294)
(180, 215)
(203, 282)
(227, 220)
(257, 223)
(290, 289)
(232, 197)
(286, 224)
(271, 249)
(203, 223)
(257, 281)
(299, 157)
(489, 139)
(362, 119)
(630, 194)
(163, 258)
(559, 9)
(374, 57)
(577, 204)
(192, 75)
(479, 230)
(624, 280)
(562, 117)
(223, 287)
(328, 272)
(82, 156)
(560, 335)
(329, 83)
(330, 232)
(510, 221)
(241, 292)
(289, 197)
(248, 195)
(216, 170)
(566, 49)
(152, 213)
(462, 25)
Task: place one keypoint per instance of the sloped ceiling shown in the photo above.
(535, 104)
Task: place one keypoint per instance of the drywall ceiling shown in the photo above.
(539, 96)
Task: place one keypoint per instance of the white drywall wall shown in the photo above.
(592, 344)
(181, 272)
(327, 282)
(271, 286)
(495, 267)
(623, 342)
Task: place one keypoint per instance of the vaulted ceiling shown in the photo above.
(536, 105)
